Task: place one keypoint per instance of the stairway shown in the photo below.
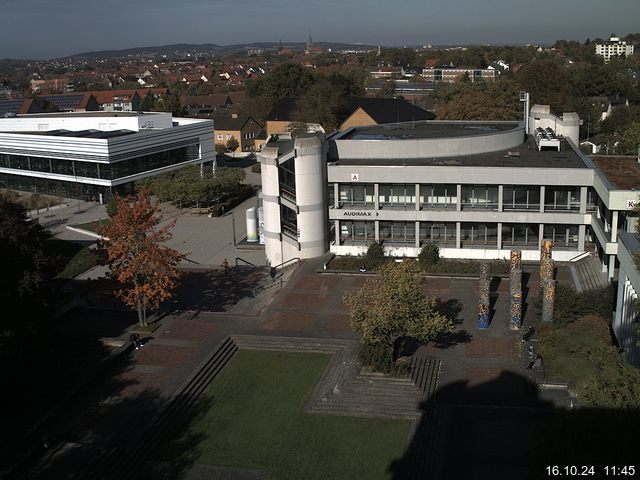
(587, 274)
(124, 460)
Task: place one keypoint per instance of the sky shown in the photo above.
(42, 29)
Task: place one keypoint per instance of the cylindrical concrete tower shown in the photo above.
(252, 225)
(310, 165)
(268, 159)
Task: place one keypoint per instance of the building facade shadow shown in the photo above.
(503, 429)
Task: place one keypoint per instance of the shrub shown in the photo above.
(570, 305)
(379, 358)
(375, 255)
(429, 254)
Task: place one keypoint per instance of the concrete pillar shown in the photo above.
(582, 230)
(459, 202)
(583, 200)
(377, 227)
(268, 159)
(541, 199)
(376, 199)
(417, 235)
(500, 197)
(614, 226)
(417, 197)
(612, 266)
(337, 231)
(540, 235)
(499, 236)
(310, 163)
(336, 195)
(458, 240)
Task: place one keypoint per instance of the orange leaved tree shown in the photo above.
(137, 256)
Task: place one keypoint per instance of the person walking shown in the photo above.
(135, 340)
(225, 266)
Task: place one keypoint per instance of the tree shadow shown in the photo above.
(451, 309)
(117, 429)
(47, 369)
(504, 428)
(494, 285)
(525, 294)
(216, 291)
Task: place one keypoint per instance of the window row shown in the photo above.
(445, 234)
(442, 196)
(106, 171)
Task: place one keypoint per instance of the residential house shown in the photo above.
(241, 127)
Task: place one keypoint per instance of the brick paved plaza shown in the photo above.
(481, 369)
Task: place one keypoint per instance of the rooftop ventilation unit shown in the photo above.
(547, 138)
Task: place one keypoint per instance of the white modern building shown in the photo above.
(625, 324)
(477, 189)
(91, 155)
(614, 47)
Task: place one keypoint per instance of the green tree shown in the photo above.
(630, 140)
(321, 104)
(232, 144)
(220, 149)
(170, 102)
(148, 103)
(375, 255)
(391, 306)
(429, 254)
(26, 267)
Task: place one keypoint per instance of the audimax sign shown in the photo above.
(356, 213)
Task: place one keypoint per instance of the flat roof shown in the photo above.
(88, 114)
(427, 129)
(622, 172)
(529, 156)
(79, 134)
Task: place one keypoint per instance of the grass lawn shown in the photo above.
(257, 421)
(71, 259)
(93, 226)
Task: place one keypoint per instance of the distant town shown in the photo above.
(318, 260)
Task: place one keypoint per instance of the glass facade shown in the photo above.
(61, 188)
(562, 236)
(398, 233)
(397, 195)
(480, 197)
(521, 197)
(438, 196)
(562, 199)
(287, 179)
(356, 194)
(104, 171)
(438, 233)
(479, 234)
(357, 233)
(289, 221)
(520, 235)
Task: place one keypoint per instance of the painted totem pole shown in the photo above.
(547, 283)
(483, 302)
(515, 290)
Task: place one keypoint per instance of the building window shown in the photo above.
(229, 136)
(438, 233)
(331, 198)
(397, 195)
(438, 196)
(562, 198)
(356, 194)
(523, 197)
(520, 234)
(220, 136)
(562, 236)
(289, 221)
(480, 197)
(398, 232)
(479, 234)
(357, 233)
(287, 179)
